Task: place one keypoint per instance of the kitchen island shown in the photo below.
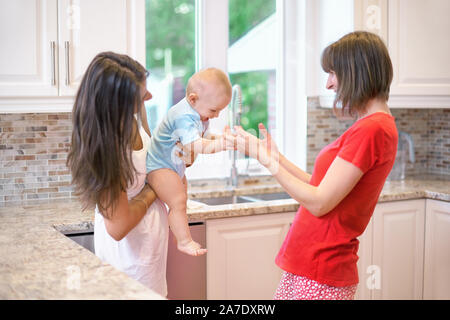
(37, 261)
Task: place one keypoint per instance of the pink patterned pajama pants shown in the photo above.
(294, 287)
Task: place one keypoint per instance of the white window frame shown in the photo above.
(211, 50)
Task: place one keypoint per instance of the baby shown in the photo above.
(208, 92)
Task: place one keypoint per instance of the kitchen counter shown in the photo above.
(38, 262)
(425, 186)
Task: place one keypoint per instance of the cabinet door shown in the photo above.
(437, 251)
(89, 27)
(241, 255)
(367, 281)
(28, 37)
(398, 244)
(419, 46)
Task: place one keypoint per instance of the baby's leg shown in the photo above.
(170, 189)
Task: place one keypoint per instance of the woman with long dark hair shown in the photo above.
(107, 163)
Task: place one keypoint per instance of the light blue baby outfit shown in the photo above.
(181, 123)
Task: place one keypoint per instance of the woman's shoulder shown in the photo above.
(376, 123)
(375, 127)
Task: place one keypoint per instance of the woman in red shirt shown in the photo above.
(319, 253)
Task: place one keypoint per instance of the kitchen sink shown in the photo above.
(270, 196)
(244, 198)
(224, 200)
(83, 238)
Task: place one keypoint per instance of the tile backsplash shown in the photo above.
(34, 147)
(33, 153)
(429, 128)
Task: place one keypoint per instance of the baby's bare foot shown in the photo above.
(191, 248)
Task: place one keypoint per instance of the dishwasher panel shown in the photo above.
(186, 275)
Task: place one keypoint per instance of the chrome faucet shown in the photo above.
(407, 137)
(399, 169)
(235, 120)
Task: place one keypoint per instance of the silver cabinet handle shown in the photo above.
(52, 52)
(66, 49)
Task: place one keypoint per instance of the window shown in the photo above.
(252, 59)
(170, 53)
(243, 38)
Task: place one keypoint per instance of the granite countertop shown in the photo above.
(38, 262)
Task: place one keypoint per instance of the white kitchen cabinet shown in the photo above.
(405, 251)
(437, 251)
(241, 255)
(366, 274)
(28, 40)
(50, 43)
(417, 34)
(398, 243)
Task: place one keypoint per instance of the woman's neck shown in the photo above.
(373, 106)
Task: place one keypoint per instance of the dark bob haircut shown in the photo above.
(363, 69)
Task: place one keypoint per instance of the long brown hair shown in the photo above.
(363, 69)
(100, 154)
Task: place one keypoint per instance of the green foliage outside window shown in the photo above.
(254, 98)
(171, 24)
(244, 16)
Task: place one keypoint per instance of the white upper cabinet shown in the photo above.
(419, 43)
(28, 38)
(50, 43)
(85, 29)
(417, 34)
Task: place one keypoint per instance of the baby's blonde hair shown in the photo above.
(211, 76)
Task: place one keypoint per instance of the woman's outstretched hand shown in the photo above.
(264, 149)
(267, 141)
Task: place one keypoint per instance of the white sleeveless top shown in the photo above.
(142, 253)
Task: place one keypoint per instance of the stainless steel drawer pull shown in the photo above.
(52, 52)
(66, 48)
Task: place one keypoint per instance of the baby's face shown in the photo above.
(209, 103)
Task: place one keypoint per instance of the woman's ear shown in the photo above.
(192, 98)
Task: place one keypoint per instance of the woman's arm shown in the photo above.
(293, 169)
(266, 140)
(339, 180)
(272, 149)
(128, 213)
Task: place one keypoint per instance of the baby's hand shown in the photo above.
(191, 248)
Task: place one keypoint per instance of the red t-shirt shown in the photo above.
(325, 248)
